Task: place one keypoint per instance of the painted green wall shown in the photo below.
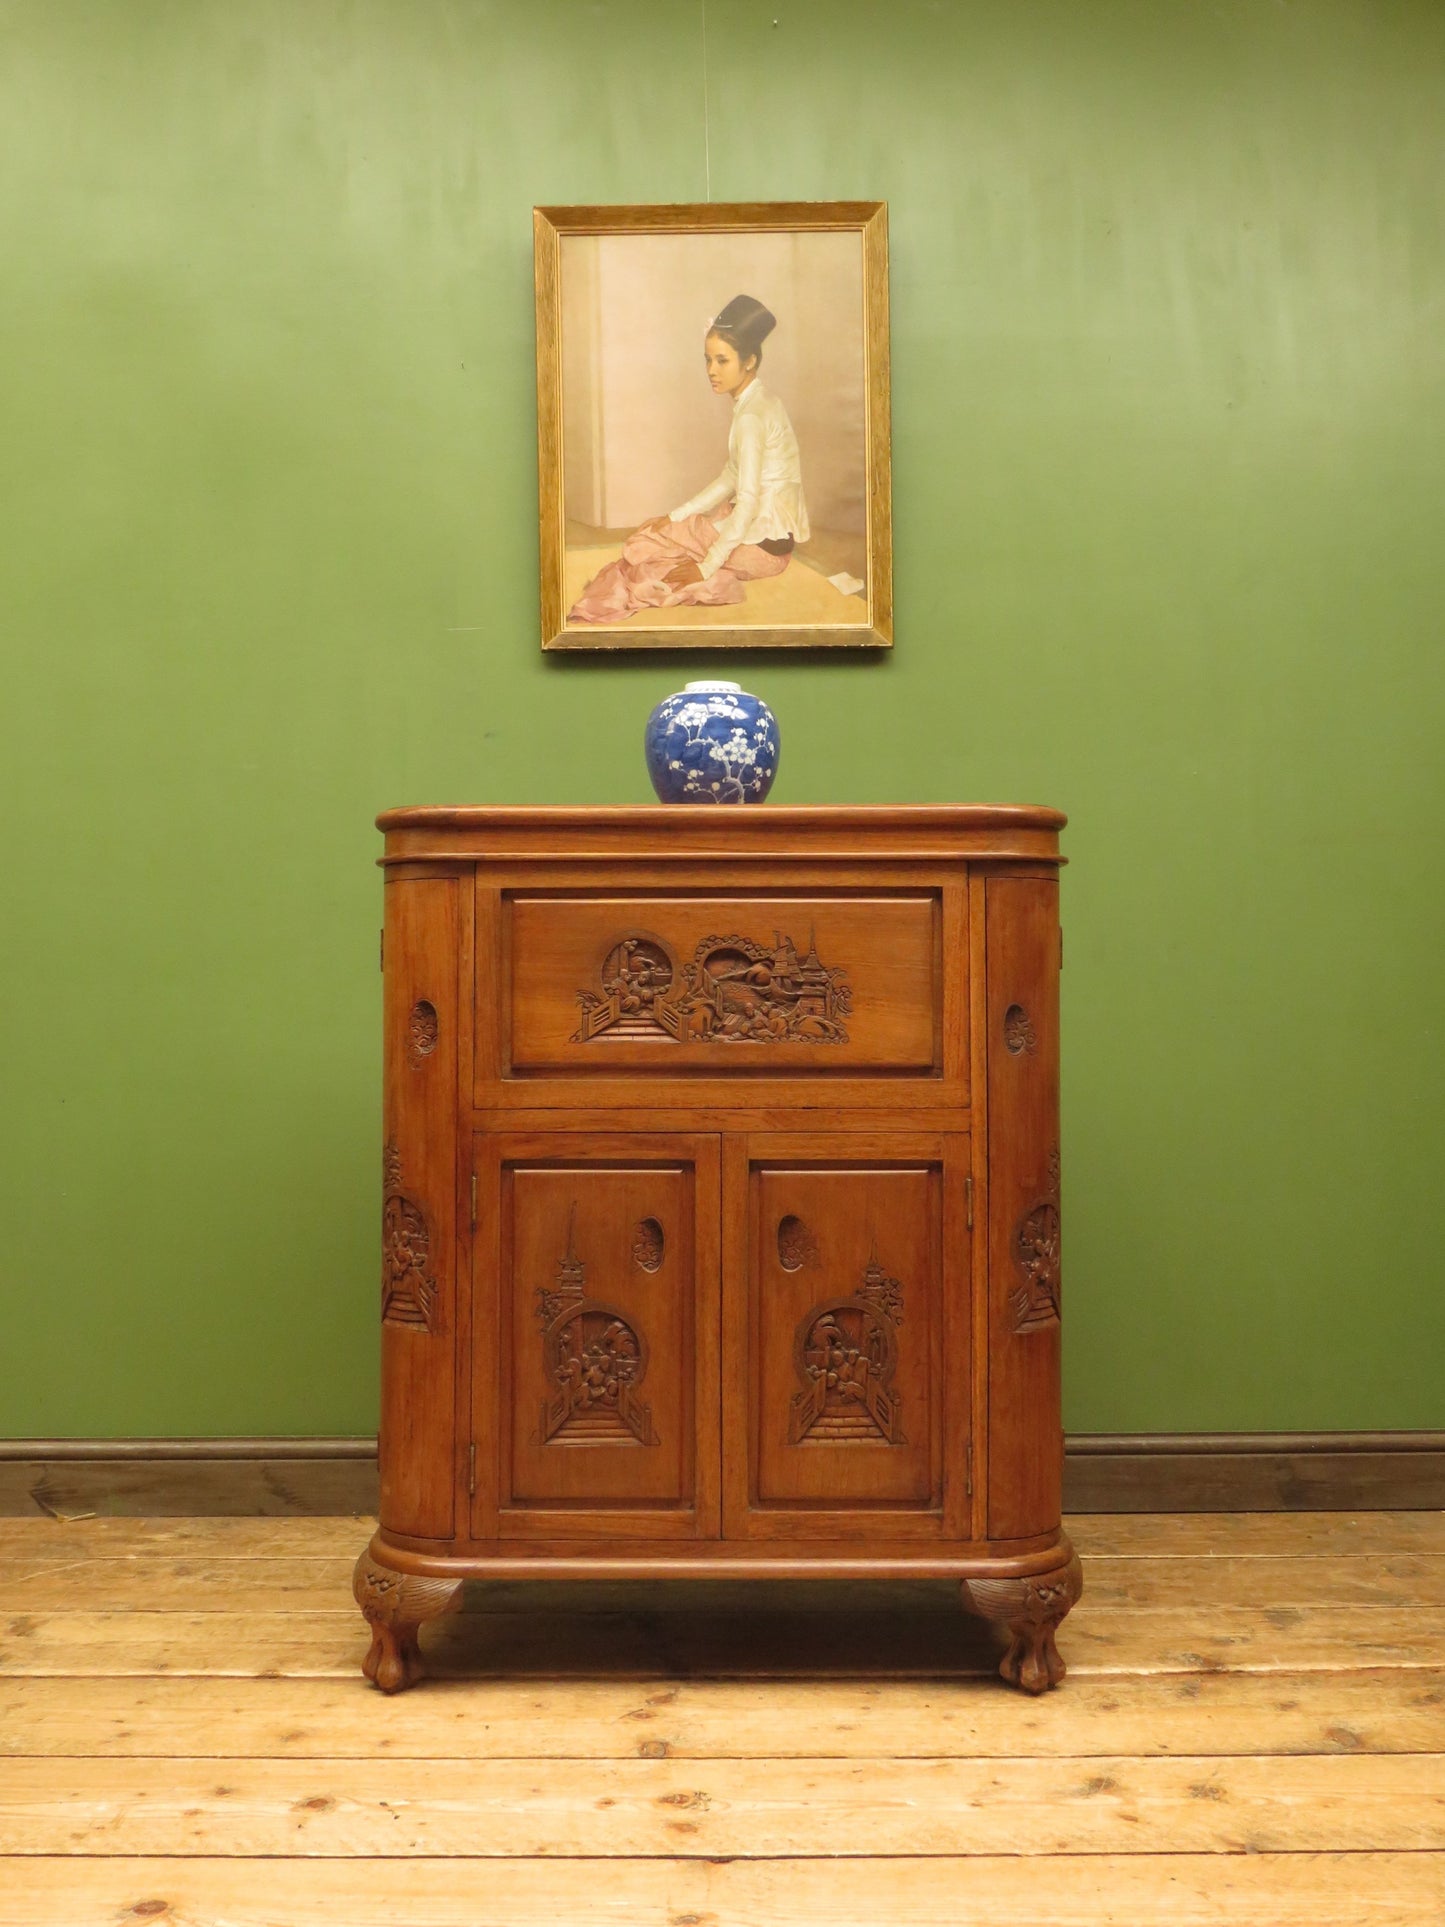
(1167, 297)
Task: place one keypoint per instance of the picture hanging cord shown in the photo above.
(706, 149)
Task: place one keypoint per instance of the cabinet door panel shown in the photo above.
(842, 1302)
(597, 1355)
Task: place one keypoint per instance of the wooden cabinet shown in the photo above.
(721, 1206)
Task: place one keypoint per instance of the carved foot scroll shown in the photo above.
(1031, 1609)
(395, 1604)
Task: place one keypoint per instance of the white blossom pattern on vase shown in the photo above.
(712, 744)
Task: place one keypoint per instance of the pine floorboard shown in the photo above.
(1253, 1730)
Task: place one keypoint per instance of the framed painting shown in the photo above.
(713, 426)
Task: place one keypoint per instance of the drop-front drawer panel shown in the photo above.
(720, 984)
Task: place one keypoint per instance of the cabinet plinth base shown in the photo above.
(394, 1605)
(1028, 1594)
(1031, 1610)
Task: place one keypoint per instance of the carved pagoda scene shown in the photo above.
(594, 1356)
(846, 1353)
(1035, 1301)
(733, 990)
(408, 1290)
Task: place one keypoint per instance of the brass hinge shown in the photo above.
(381, 949)
(474, 1201)
(968, 1486)
(968, 1198)
(472, 1471)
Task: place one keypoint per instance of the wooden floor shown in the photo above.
(1253, 1730)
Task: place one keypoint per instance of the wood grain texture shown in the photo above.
(872, 1642)
(1214, 1715)
(753, 1809)
(836, 834)
(1183, 1775)
(1085, 1890)
(40, 1582)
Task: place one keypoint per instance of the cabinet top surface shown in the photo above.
(839, 830)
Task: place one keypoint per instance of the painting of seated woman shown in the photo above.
(711, 455)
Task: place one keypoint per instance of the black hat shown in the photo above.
(745, 322)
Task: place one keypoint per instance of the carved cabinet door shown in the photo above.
(846, 1269)
(594, 1337)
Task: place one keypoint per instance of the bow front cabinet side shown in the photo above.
(721, 1207)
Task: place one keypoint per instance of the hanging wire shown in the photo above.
(706, 147)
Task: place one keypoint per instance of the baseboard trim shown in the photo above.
(1256, 1472)
(1136, 1472)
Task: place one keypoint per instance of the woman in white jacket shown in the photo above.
(696, 554)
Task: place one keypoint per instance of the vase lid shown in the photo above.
(712, 689)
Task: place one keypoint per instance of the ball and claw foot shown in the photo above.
(395, 1604)
(1031, 1609)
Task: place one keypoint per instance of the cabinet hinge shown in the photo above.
(968, 1483)
(472, 1470)
(968, 1198)
(474, 1201)
(381, 949)
(1061, 946)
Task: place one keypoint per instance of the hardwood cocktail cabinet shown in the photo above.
(721, 1207)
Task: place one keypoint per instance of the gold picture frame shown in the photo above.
(647, 380)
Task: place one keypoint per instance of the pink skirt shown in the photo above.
(636, 579)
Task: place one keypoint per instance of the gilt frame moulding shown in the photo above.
(628, 432)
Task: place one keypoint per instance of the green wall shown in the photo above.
(1167, 297)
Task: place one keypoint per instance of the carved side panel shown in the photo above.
(417, 1446)
(1035, 1301)
(1025, 1464)
(408, 1289)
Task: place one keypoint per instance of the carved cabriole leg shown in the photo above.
(395, 1604)
(1031, 1609)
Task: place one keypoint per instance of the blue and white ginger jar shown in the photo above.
(712, 744)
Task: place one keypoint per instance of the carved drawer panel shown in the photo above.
(719, 984)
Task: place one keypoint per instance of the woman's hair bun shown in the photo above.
(746, 323)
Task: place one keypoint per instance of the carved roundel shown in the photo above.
(422, 1030)
(649, 1246)
(596, 1358)
(1019, 1034)
(796, 1244)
